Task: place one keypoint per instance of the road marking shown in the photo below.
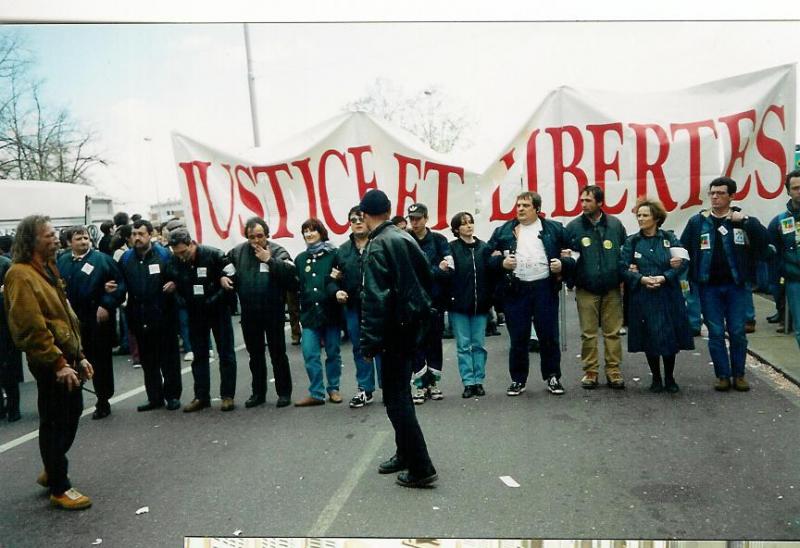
(329, 513)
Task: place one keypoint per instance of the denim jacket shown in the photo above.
(784, 232)
(743, 243)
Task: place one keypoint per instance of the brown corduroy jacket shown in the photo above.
(41, 321)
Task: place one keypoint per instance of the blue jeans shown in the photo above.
(470, 333)
(365, 370)
(725, 309)
(183, 329)
(793, 300)
(311, 343)
(749, 306)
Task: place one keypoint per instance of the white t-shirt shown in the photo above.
(531, 257)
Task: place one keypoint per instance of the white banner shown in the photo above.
(666, 145)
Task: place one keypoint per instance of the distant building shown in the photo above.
(164, 211)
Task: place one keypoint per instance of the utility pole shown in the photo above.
(251, 86)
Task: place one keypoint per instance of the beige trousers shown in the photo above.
(600, 314)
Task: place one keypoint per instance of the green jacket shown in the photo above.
(318, 306)
(599, 246)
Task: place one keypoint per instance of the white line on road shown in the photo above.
(88, 411)
(334, 506)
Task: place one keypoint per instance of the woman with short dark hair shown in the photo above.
(651, 263)
(320, 314)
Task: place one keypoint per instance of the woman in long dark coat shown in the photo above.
(658, 324)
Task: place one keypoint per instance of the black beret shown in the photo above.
(375, 202)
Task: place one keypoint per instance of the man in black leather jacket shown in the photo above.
(395, 303)
(200, 280)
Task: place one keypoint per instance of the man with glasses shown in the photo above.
(262, 272)
(723, 243)
(350, 256)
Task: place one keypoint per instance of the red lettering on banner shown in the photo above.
(191, 184)
(444, 172)
(601, 167)
(308, 181)
(330, 221)
(249, 199)
(693, 128)
(363, 184)
(403, 191)
(737, 151)
(530, 163)
(560, 169)
(280, 203)
(497, 214)
(656, 168)
(772, 151)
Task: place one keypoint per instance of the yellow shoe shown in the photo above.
(71, 500)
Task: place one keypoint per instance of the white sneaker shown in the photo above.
(189, 357)
(137, 366)
(418, 395)
(435, 392)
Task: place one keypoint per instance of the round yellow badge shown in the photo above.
(585, 241)
(308, 269)
(607, 244)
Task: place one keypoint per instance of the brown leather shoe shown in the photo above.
(335, 397)
(589, 380)
(614, 379)
(42, 479)
(750, 327)
(740, 384)
(196, 405)
(722, 385)
(308, 401)
(70, 500)
(227, 404)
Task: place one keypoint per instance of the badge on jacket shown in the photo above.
(263, 267)
(198, 290)
(202, 271)
(705, 241)
(666, 243)
(87, 269)
(607, 244)
(787, 225)
(738, 236)
(586, 241)
(154, 268)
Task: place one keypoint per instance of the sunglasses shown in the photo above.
(356, 219)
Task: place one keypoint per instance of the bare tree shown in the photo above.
(35, 142)
(428, 113)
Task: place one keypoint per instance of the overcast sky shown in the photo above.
(129, 82)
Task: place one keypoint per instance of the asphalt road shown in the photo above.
(589, 464)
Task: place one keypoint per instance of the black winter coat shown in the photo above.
(599, 245)
(262, 289)
(86, 279)
(435, 248)
(350, 264)
(198, 281)
(471, 280)
(395, 298)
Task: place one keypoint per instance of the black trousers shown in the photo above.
(411, 448)
(161, 362)
(59, 413)
(98, 340)
(200, 328)
(430, 353)
(255, 327)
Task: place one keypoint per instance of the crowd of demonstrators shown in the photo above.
(388, 286)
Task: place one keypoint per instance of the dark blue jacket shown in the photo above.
(743, 243)
(262, 289)
(470, 283)
(86, 279)
(350, 260)
(599, 245)
(435, 247)
(784, 233)
(198, 281)
(554, 237)
(148, 306)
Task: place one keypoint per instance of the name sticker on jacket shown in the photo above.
(87, 269)
(637, 255)
(263, 267)
(154, 268)
(705, 241)
(787, 225)
(198, 290)
(722, 230)
(738, 236)
(202, 271)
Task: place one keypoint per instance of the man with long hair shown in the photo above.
(44, 326)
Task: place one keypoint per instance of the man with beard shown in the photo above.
(262, 272)
(44, 326)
